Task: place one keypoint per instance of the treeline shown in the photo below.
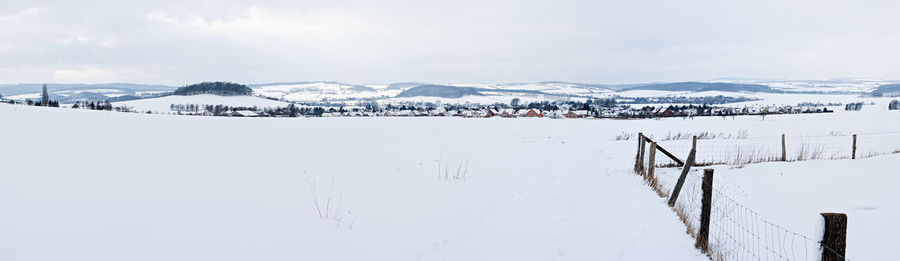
(100, 106)
(50, 103)
(217, 88)
(588, 105)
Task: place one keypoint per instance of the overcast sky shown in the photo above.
(455, 41)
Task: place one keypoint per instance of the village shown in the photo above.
(575, 112)
(568, 109)
(551, 110)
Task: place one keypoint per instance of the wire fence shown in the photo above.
(737, 232)
(739, 151)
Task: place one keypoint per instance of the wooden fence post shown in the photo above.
(694, 143)
(705, 209)
(637, 157)
(783, 149)
(643, 149)
(834, 241)
(854, 146)
(684, 172)
(651, 162)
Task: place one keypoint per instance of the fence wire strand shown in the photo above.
(737, 151)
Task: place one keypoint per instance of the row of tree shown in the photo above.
(98, 105)
(225, 110)
(48, 103)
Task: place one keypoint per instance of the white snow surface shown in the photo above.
(214, 188)
(94, 185)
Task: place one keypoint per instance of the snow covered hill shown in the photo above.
(320, 91)
(163, 104)
(550, 91)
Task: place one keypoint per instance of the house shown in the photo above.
(533, 113)
(853, 106)
(667, 113)
(491, 113)
(404, 113)
(583, 113)
(554, 114)
(571, 115)
(689, 112)
(508, 113)
(522, 113)
(331, 114)
(439, 111)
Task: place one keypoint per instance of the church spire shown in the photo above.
(45, 97)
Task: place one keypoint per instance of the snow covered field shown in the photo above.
(162, 104)
(94, 185)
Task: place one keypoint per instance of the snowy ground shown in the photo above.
(93, 185)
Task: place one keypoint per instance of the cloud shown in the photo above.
(257, 22)
(95, 75)
(81, 39)
(21, 15)
(606, 41)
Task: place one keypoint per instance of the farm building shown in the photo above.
(853, 106)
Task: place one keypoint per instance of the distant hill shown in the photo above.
(25, 88)
(579, 85)
(705, 86)
(216, 88)
(442, 91)
(352, 87)
(69, 93)
(887, 88)
(404, 85)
